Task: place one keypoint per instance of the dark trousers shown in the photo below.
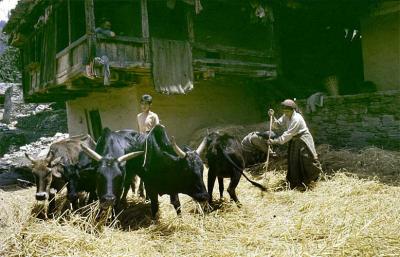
(302, 167)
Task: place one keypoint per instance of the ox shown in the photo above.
(164, 168)
(116, 164)
(53, 172)
(225, 159)
(170, 170)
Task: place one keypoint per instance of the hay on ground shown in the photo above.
(368, 162)
(342, 216)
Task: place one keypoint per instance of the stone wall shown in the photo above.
(357, 121)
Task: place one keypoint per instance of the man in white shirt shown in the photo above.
(146, 119)
(303, 164)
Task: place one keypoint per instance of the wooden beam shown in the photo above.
(71, 46)
(145, 28)
(55, 42)
(236, 71)
(190, 24)
(125, 39)
(145, 19)
(231, 50)
(90, 29)
(69, 22)
(232, 63)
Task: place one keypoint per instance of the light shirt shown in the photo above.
(295, 126)
(147, 121)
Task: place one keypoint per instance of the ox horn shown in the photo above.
(92, 154)
(176, 148)
(129, 156)
(201, 147)
(49, 156)
(29, 157)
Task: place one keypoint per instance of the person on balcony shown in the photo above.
(105, 28)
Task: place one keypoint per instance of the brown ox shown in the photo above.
(51, 172)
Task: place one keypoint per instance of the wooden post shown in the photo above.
(90, 29)
(190, 24)
(55, 42)
(145, 28)
(145, 19)
(69, 22)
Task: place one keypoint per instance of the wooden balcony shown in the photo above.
(128, 60)
(65, 75)
(232, 61)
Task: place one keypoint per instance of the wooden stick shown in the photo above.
(269, 146)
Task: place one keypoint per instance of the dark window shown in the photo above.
(94, 123)
(124, 16)
(165, 22)
(229, 23)
(62, 26)
(78, 21)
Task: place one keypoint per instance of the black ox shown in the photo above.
(226, 159)
(170, 170)
(115, 164)
(163, 166)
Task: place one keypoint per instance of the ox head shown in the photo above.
(211, 141)
(45, 171)
(77, 171)
(186, 163)
(110, 175)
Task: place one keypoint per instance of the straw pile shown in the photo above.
(342, 216)
(382, 164)
(238, 131)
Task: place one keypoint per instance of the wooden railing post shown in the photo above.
(90, 29)
(69, 22)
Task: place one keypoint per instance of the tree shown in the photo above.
(9, 62)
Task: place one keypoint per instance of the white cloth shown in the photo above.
(295, 126)
(147, 121)
(106, 68)
(315, 100)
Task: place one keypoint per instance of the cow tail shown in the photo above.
(263, 188)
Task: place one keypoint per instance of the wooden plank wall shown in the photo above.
(72, 59)
(122, 54)
(48, 53)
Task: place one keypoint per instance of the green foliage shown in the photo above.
(9, 62)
